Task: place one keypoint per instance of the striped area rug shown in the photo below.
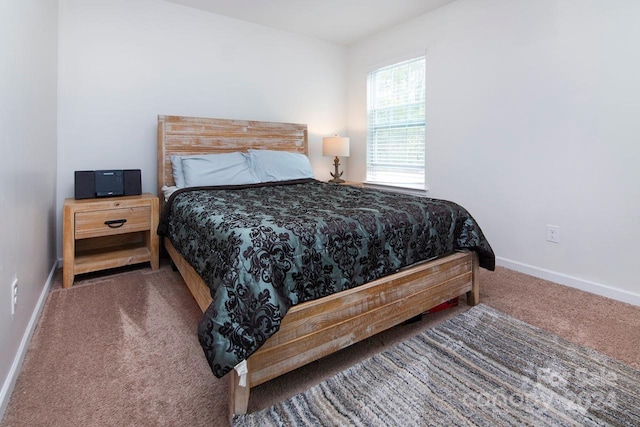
(482, 368)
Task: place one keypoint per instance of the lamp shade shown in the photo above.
(335, 146)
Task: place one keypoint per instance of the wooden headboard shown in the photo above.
(179, 135)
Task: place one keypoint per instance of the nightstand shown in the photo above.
(98, 234)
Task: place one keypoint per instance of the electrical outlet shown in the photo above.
(14, 294)
(553, 233)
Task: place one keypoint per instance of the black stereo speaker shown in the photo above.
(85, 184)
(106, 183)
(132, 182)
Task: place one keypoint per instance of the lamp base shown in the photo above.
(336, 176)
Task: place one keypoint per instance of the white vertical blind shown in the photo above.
(396, 104)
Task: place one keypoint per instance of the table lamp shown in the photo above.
(335, 146)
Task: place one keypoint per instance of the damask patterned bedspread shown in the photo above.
(263, 248)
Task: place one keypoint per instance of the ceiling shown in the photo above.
(338, 21)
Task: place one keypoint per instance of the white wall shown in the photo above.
(28, 56)
(532, 119)
(123, 62)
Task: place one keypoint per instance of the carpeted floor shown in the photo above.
(121, 349)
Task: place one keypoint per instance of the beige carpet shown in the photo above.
(121, 349)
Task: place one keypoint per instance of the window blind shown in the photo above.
(396, 104)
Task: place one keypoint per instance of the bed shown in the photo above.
(318, 327)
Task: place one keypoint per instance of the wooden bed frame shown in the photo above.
(316, 328)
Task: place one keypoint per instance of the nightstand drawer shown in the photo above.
(112, 221)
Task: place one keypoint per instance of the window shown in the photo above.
(396, 124)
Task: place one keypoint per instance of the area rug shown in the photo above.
(483, 368)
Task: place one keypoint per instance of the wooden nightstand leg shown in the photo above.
(67, 277)
(153, 240)
(68, 247)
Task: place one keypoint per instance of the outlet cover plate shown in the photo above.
(14, 294)
(553, 233)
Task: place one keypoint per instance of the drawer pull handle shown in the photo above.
(115, 223)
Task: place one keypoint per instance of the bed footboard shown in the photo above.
(321, 327)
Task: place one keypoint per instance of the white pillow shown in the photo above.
(176, 170)
(269, 165)
(217, 169)
(168, 191)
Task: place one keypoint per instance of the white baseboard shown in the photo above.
(10, 381)
(573, 282)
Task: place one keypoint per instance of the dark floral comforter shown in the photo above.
(263, 248)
